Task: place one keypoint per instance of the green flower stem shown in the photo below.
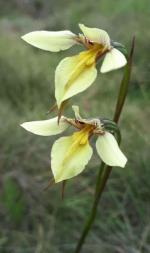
(103, 175)
(93, 211)
(105, 170)
(124, 85)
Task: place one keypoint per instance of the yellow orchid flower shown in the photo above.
(70, 154)
(76, 73)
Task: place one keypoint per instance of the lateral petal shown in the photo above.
(76, 110)
(64, 165)
(46, 127)
(96, 35)
(109, 151)
(51, 41)
(114, 59)
(72, 76)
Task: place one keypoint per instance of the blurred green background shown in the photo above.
(34, 220)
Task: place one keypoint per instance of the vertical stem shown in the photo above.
(124, 85)
(105, 170)
(93, 211)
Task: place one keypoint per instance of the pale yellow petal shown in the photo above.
(113, 60)
(96, 35)
(76, 110)
(109, 151)
(66, 166)
(46, 127)
(50, 41)
(72, 76)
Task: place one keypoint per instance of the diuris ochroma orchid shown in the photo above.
(76, 73)
(70, 154)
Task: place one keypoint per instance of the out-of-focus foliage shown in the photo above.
(34, 220)
(12, 200)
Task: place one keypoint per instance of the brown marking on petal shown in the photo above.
(99, 132)
(73, 122)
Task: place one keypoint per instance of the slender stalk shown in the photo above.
(105, 171)
(124, 85)
(93, 211)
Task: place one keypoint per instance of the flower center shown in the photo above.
(85, 60)
(78, 138)
(81, 137)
